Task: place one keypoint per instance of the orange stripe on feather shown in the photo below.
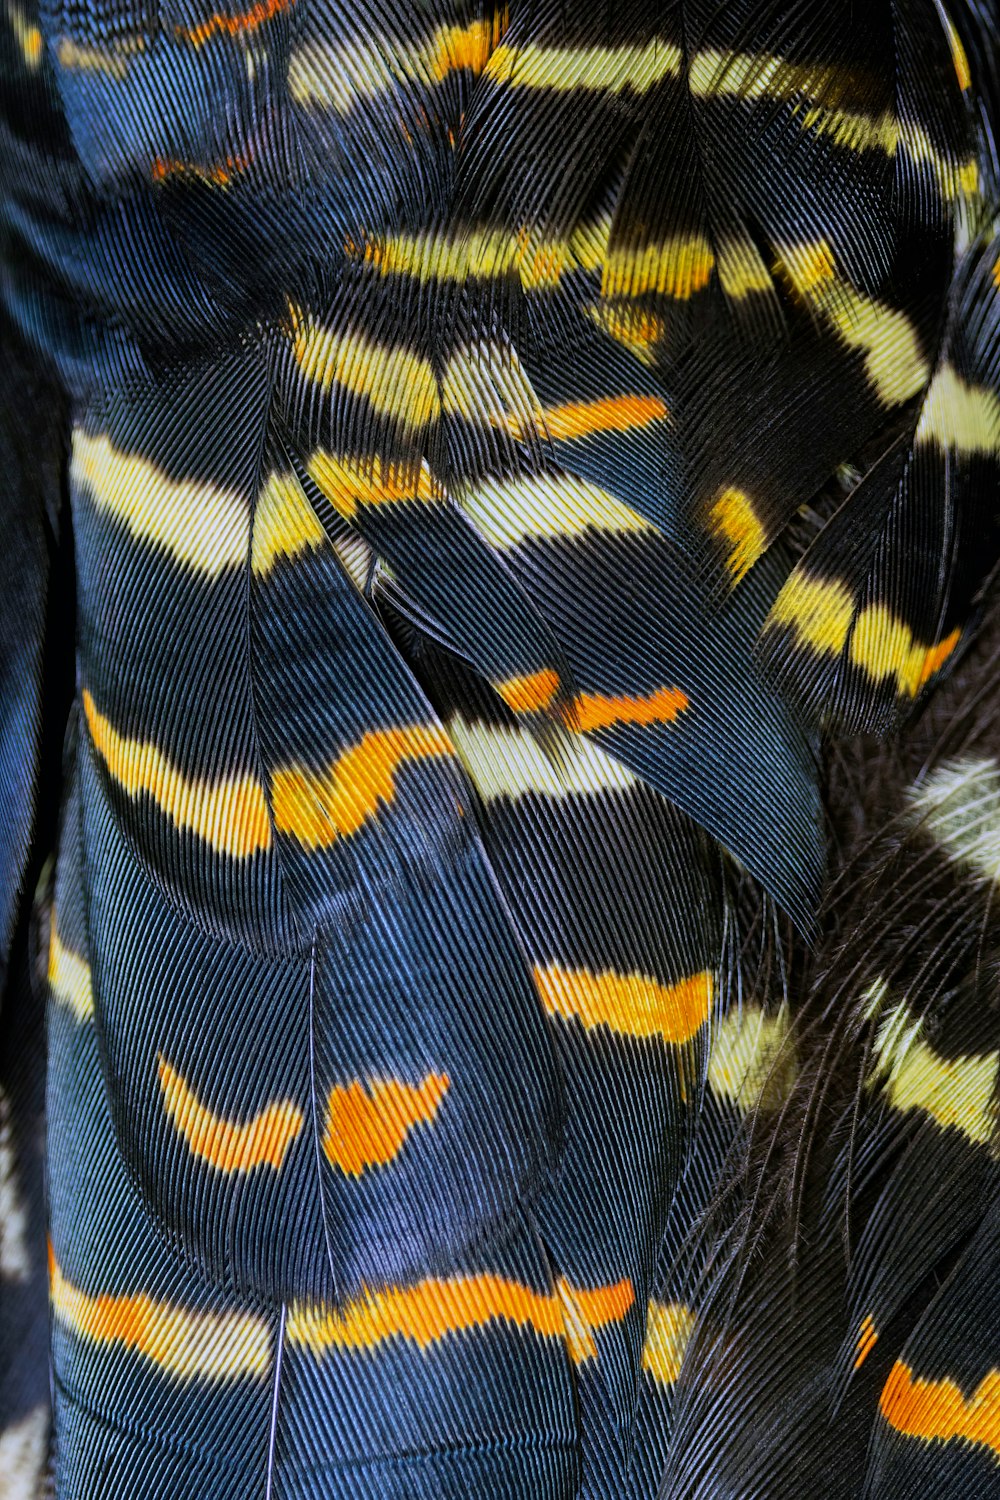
(577, 419)
(603, 711)
(937, 1408)
(588, 1308)
(318, 807)
(867, 1339)
(468, 48)
(630, 1004)
(230, 814)
(188, 1345)
(434, 1309)
(219, 173)
(231, 26)
(348, 482)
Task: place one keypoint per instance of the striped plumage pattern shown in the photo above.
(480, 479)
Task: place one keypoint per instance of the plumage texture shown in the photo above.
(513, 1029)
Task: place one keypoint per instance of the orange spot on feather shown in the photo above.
(525, 695)
(867, 1339)
(220, 173)
(367, 1125)
(467, 47)
(938, 655)
(577, 419)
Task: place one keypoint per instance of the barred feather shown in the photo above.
(512, 1029)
